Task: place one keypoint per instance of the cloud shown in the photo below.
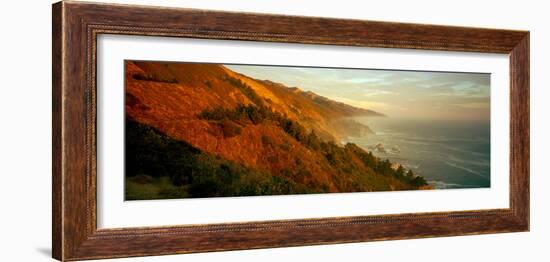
(378, 93)
(363, 104)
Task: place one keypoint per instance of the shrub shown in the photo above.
(267, 141)
(230, 129)
(155, 78)
(142, 179)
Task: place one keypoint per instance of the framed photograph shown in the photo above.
(182, 130)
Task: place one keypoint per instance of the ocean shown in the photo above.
(448, 154)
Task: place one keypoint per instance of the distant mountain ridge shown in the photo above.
(337, 106)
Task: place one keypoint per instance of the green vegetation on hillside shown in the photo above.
(245, 89)
(336, 155)
(159, 167)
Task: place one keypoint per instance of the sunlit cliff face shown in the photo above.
(397, 94)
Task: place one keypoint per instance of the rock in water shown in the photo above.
(395, 150)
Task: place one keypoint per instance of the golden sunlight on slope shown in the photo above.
(170, 97)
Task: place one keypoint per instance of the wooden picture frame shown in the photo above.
(76, 26)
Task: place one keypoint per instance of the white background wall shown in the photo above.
(25, 117)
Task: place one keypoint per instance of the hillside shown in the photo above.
(258, 126)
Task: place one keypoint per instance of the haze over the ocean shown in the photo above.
(400, 94)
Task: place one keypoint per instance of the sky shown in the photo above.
(399, 94)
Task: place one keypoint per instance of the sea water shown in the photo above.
(447, 153)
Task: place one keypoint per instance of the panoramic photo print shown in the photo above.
(197, 130)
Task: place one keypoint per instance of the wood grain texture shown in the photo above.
(519, 129)
(76, 26)
(57, 195)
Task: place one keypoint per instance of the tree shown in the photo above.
(400, 171)
(419, 181)
(312, 141)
